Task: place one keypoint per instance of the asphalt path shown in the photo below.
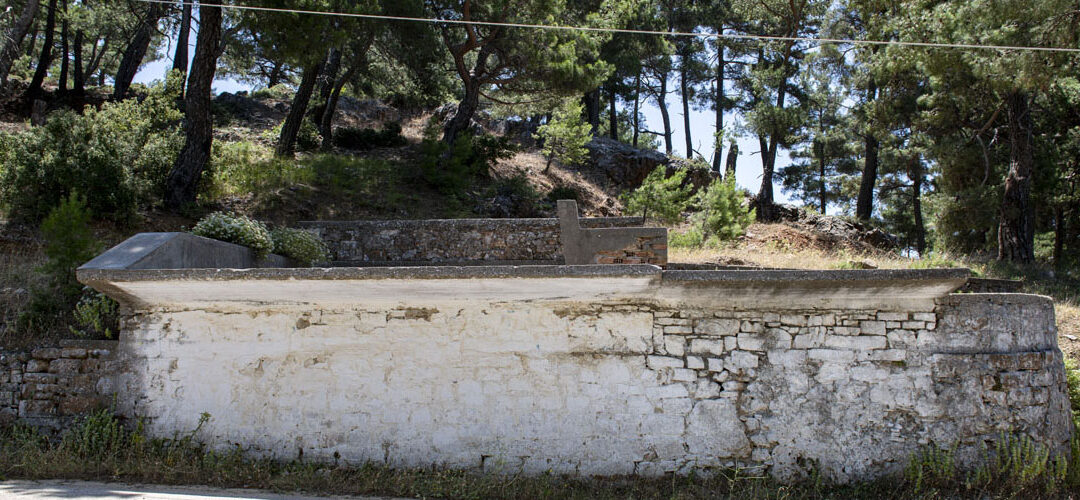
(87, 490)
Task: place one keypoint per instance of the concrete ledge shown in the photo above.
(814, 275)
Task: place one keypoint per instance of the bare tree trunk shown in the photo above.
(661, 100)
(135, 51)
(471, 101)
(718, 103)
(864, 205)
(331, 107)
(180, 56)
(732, 159)
(78, 80)
(766, 209)
(183, 181)
(291, 128)
(34, 91)
(592, 110)
(95, 58)
(326, 83)
(613, 117)
(821, 174)
(15, 37)
(1016, 228)
(637, 102)
(64, 50)
(684, 91)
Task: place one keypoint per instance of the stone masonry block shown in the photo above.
(707, 346)
(65, 366)
(861, 342)
(717, 326)
(872, 327)
(892, 316)
(46, 353)
(657, 362)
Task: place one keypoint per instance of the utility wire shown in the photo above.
(732, 36)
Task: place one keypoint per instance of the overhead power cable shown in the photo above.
(731, 36)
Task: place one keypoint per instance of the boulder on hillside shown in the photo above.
(838, 230)
(626, 166)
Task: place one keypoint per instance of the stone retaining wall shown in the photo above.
(47, 387)
(450, 240)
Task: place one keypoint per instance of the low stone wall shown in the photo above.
(451, 240)
(591, 370)
(48, 387)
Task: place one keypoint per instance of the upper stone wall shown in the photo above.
(451, 240)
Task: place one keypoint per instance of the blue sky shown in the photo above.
(747, 175)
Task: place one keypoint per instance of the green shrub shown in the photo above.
(513, 197)
(363, 139)
(279, 91)
(69, 243)
(453, 168)
(98, 435)
(691, 238)
(565, 136)
(723, 211)
(304, 247)
(1072, 379)
(665, 198)
(563, 193)
(117, 157)
(238, 229)
(241, 167)
(96, 315)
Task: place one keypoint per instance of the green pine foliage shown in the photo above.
(663, 198)
(723, 212)
(565, 136)
(69, 242)
(363, 139)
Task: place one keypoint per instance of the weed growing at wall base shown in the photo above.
(100, 447)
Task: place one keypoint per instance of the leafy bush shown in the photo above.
(566, 135)
(363, 139)
(96, 315)
(241, 167)
(512, 197)
(723, 211)
(563, 193)
(118, 157)
(453, 168)
(279, 91)
(691, 238)
(238, 229)
(98, 435)
(665, 198)
(304, 247)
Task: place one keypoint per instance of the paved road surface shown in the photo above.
(85, 490)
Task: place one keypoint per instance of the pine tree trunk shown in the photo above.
(471, 101)
(613, 117)
(326, 127)
(684, 91)
(34, 91)
(592, 110)
(718, 104)
(64, 50)
(15, 37)
(183, 181)
(277, 74)
(661, 101)
(765, 192)
(864, 205)
(326, 83)
(821, 175)
(1016, 227)
(637, 102)
(135, 51)
(291, 128)
(916, 204)
(732, 159)
(180, 56)
(95, 58)
(78, 79)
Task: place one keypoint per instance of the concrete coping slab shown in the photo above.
(767, 275)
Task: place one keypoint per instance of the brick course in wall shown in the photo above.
(48, 387)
